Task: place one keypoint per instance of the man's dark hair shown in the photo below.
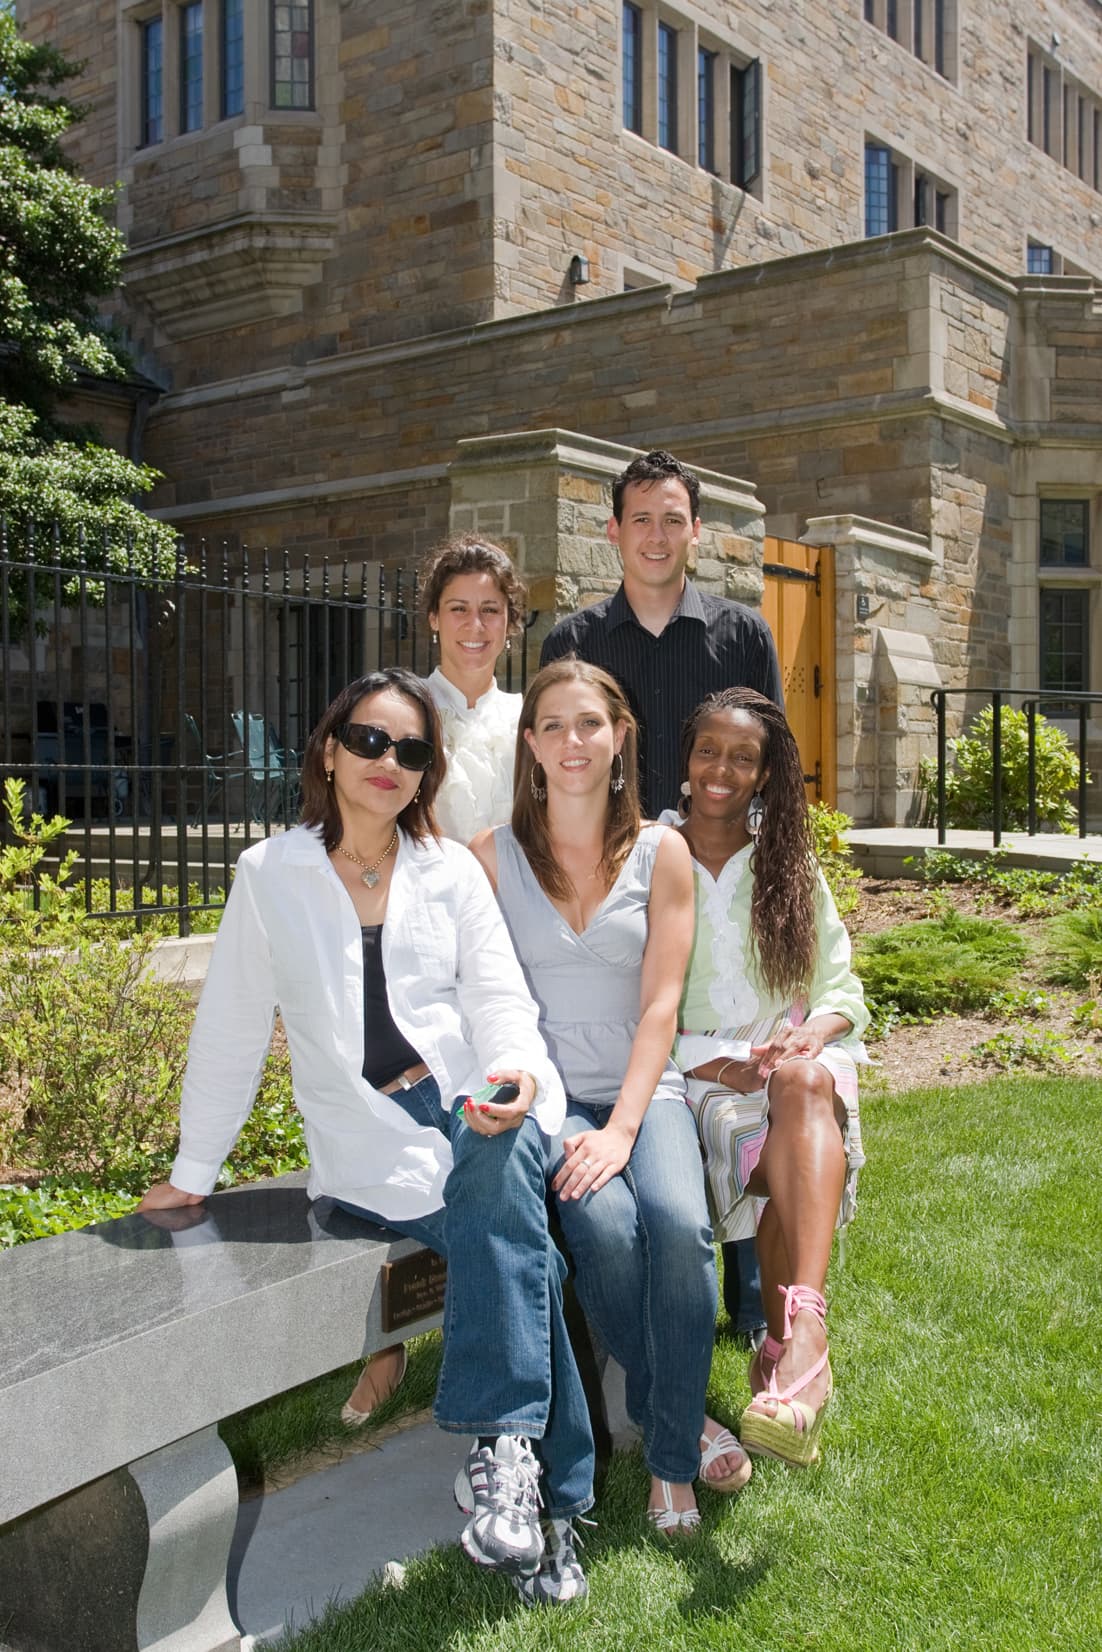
(658, 466)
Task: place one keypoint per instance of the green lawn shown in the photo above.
(959, 1500)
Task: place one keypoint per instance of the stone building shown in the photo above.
(398, 268)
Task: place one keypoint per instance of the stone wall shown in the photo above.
(546, 497)
(455, 162)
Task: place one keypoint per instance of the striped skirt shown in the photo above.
(733, 1129)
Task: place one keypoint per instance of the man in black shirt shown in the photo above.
(669, 645)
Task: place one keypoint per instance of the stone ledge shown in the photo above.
(247, 269)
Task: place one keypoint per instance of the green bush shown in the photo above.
(828, 835)
(56, 1207)
(272, 1142)
(969, 784)
(1075, 939)
(940, 965)
(201, 923)
(92, 1052)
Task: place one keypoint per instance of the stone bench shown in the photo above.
(124, 1345)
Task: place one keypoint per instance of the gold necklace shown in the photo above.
(370, 873)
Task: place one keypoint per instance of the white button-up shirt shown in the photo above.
(290, 938)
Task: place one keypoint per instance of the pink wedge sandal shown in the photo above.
(763, 1363)
(792, 1432)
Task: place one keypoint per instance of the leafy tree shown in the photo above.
(59, 255)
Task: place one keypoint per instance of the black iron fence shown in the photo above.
(1033, 701)
(166, 718)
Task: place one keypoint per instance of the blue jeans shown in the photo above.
(646, 1276)
(508, 1366)
(742, 1286)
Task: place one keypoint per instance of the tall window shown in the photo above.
(233, 57)
(293, 54)
(706, 109)
(746, 124)
(925, 27)
(1065, 617)
(667, 86)
(881, 206)
(1038, 259)
(633, 68)
(152, 60)
(1065, 533)
(191, 66)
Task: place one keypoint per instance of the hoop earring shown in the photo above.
(755, 814)
(538, 792)
(616, 783)
(685, 801)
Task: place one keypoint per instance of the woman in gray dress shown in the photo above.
(600, 909)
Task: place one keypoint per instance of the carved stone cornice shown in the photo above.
(248, 268)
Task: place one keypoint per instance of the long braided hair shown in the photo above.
(782, 907)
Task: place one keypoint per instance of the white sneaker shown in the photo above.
(500, 1491)
(560, 1578)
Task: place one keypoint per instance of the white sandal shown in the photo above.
(668, 1519)
(353, 1418)
(723, 1444)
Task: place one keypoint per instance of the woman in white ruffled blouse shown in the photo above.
(475, 604)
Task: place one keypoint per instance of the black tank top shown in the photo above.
(386, 1052)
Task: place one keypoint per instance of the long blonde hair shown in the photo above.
(622, 817)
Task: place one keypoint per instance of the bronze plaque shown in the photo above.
(413, 1288)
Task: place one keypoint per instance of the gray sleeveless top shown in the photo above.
(587, 986)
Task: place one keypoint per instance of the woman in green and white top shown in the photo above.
(770, 1023)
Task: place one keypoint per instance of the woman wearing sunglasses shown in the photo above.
(474, 602)
(400, 994)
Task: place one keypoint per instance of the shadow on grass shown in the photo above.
(444, 1601)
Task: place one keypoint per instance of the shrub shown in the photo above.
(163, 923)
(939, 965)
(1075, 939)
(828, 835)
(53, 1207)
(272, 1142)
(969, 787)
(92, 1052)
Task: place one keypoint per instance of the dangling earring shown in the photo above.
(685, 802)
(538, 792)
(755, 814)
(616, 783)
(329, 777)
(434, 636)
(508, 645)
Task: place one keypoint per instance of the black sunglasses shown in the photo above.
(365, 740)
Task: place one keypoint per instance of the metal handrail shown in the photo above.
(1032, 699)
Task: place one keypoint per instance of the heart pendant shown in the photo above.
(370, 877)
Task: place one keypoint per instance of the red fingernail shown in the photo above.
(484, 1106)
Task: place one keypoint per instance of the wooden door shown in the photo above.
(798, 604)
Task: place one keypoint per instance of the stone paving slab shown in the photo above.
(331, 1533)
(882, 850)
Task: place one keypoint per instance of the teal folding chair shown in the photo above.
(271, 770)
